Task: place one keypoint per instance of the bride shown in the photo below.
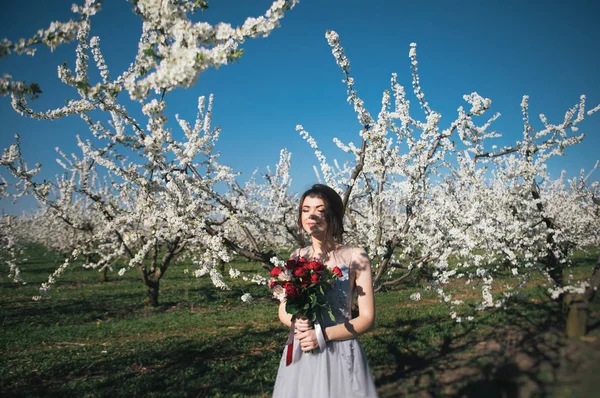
(336, 366)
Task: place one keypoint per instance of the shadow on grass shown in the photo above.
(516, 351)
(73, 311)
(239, 364)
(594, 326)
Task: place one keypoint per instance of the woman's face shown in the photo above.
(313, 216)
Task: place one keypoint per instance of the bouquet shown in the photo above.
(303, 285)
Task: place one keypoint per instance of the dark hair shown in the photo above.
(334, 211)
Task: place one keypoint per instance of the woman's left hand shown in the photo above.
(302, 324)
(308, 340)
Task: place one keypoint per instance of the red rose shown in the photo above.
(313, 265)
(299, 272)
(318, 266)
(301, 261)
(291, 264)
(272, 284)
(275, 272)
(337, 271)
(314, 278)
(305, 281)
(290, 289)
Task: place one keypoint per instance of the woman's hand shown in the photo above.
(305, 333)
(302, 324)
(308, 340)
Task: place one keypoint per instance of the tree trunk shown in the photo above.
(151, 299)
(554, 267)
(103, 275)
(577, 316)
(578, 305)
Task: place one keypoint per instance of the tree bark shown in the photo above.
(152, 286)
(103, 275)
(578, 305)
(152, 273)
(553, 265)
(577, 316)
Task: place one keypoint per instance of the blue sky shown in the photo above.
(501, 49)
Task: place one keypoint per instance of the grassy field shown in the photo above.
(93, 338)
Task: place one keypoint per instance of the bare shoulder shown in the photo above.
(294, 253)
(299, 252)
(357, 258)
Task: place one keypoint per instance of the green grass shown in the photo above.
(93, 338)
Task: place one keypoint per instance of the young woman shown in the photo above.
(337, 366)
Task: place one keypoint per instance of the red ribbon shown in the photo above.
(289, 354)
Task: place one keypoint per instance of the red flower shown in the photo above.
(290, 289)
(337, 271)
(306, 280)
(299, 272)
(309, 277)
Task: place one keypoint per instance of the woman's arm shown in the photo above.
(300, 324)
(284, 317)
(366, 308)
(365, 300)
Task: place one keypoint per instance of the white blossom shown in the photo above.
(247, 298)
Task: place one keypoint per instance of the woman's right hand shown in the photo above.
(302, 324)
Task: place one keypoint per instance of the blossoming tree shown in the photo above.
(418, 195)
(10, 247)
(162, 197)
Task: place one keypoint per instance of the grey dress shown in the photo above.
(338, 370)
